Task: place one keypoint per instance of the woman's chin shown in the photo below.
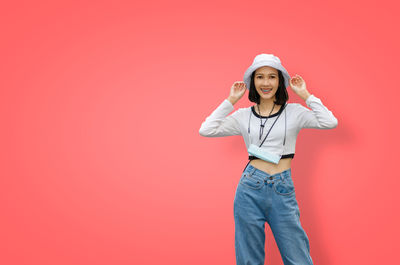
(267, 95)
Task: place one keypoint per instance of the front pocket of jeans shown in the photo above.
(251, 182)
(284, 187)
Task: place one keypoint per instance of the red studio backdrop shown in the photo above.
(101, 105)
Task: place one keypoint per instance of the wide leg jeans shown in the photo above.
(263, 198)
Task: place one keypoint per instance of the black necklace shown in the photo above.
(261, 123)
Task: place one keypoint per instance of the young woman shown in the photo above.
(265, 192)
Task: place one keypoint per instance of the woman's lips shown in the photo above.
(266, 91)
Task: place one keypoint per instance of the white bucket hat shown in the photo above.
(265, 60)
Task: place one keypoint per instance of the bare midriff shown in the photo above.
(271, 168)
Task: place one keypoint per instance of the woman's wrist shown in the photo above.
(304, 95)
(232, 100)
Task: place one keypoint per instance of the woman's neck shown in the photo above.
(266, 105)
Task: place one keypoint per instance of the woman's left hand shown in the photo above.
(298, 85)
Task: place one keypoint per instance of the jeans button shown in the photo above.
(270, 177)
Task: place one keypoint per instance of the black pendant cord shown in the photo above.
(261, 124)
(284, 139)
(273, 126)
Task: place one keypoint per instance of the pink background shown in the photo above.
(101, 104)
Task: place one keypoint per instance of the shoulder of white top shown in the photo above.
(290, 106)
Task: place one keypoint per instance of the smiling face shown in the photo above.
(266, 81)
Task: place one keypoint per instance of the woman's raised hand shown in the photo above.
(237, 91)
(298, 85)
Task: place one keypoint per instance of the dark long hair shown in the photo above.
(281, 94)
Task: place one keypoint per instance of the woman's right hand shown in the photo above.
(237, 91)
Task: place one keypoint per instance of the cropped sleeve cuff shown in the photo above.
(310, 99)
(228, 105)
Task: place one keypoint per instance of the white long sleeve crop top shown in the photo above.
(243, 120)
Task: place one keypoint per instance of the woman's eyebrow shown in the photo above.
(268, 74)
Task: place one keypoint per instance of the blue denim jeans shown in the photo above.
(259, 198)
